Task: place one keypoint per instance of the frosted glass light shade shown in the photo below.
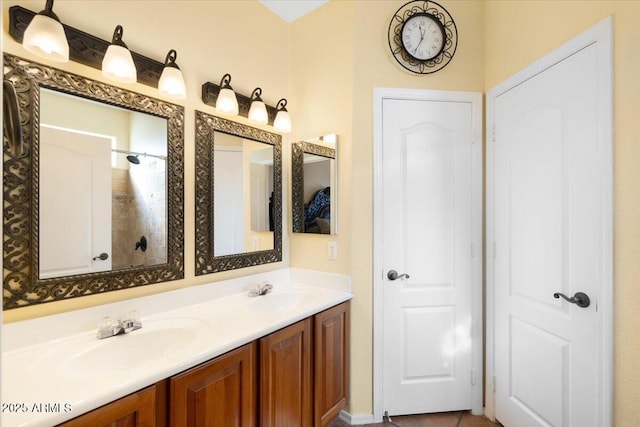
(45, 37)
(282, 122)
(171, 83)
(227, 103)
(118, 65)
(258, 113)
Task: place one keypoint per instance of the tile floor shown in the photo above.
(444, 419)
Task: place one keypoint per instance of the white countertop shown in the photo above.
(54, 368)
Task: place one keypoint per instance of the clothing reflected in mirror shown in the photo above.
(317, 194)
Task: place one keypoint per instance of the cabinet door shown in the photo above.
(331, 367)
(219, 393)
(285, 377)
(135, 410)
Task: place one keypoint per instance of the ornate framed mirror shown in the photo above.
(238, 195)
(314, 188)
(93, 200)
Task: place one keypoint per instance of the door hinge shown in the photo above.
(473, 378)
(495, 251)
(493, 133)
(494, 383)
(473, 250)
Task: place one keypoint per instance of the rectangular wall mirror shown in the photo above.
(238, 195)
(314, 187)
(93, 201)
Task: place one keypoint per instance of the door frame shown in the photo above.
(475, 99)
(602, 34)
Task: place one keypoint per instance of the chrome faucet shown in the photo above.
(262, 289)
(109, 328)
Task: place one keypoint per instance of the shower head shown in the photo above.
(133, 159)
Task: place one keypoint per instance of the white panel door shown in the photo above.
(551, 234)
(75, 202)
(429, 233)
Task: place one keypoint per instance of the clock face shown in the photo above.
(423, 36)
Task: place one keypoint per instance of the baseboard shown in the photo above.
(356, 419)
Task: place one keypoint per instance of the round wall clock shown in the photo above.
(423, 36)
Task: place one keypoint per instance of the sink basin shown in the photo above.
(277, 301)
(158, 340)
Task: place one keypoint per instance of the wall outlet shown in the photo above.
(332, 250)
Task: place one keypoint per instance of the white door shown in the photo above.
(550, 225)
(228, 203)
(75, 202)
(431, 231)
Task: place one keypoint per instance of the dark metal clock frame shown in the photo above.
(441, 15)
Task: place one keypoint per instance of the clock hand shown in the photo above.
(421, 38)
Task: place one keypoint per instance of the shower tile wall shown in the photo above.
(148, 211)
(121, 238)
(139, 209)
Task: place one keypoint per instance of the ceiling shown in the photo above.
(290, 10)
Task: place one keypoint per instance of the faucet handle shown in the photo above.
(105, 327)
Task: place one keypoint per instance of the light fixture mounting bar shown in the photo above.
(210, 93)
(85, 48)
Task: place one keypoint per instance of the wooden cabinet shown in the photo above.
(331, 365)
(221, 392)
(302, 372)
(139, 409)
(285, 377)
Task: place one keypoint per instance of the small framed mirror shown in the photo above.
(93, 200)
(238, 195)
(314, 186)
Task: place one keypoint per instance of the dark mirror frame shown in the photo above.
(22, 285)
(298, 149)
(206, 262)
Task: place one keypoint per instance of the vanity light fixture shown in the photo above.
(45, 36)
(117, 63)
(252, 107)
(258, 111)
(282, 122)
(171, 81)
(227, 102)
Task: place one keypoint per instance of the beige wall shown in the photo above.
(212, 38)
(519, 32)
(321, 64)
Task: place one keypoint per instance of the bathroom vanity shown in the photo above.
(300, 375)
(208, 353)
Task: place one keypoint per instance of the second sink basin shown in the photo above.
(278, 301)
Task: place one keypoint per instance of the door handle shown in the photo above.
(393, 275)
(103, 256)
(580, 299)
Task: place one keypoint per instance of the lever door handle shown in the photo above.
(103, 256)
(580, 299)
(393, 275)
